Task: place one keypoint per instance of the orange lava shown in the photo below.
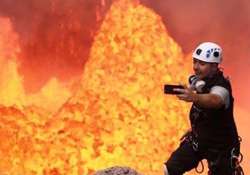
(118, 115)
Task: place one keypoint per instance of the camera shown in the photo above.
(169, 88)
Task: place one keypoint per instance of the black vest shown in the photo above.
(214, 127)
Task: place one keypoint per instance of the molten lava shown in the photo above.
(118, 116)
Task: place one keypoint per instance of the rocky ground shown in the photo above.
(117, 171)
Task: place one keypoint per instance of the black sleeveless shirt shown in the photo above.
(214, 127)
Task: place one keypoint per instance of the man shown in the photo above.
(213, 135)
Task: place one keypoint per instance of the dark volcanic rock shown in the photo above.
(117, 171)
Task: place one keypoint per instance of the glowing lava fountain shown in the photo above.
(119, 115)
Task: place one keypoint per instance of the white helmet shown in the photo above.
(208, 52)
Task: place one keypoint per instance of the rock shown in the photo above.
(117, 171)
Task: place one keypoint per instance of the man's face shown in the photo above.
(203, 69)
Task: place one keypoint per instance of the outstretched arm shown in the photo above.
(208, 100)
